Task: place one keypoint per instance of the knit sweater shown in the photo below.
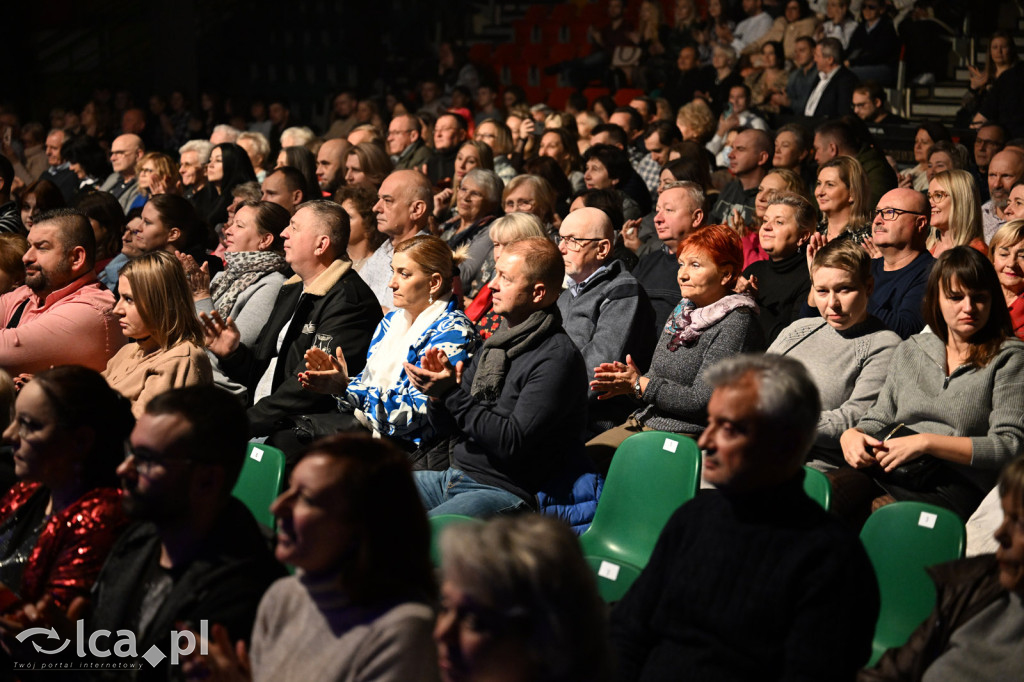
(848, 367)
(984, 404)
(307, 630)
(782, 287)
(762, 586)
(677, 396)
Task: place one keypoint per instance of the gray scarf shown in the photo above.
(507, 344)
(244, 269)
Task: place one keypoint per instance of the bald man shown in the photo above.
(901, 274)
(125, 153)
(605, 311)
(330, 165)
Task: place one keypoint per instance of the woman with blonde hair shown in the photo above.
(158, 174)
(1006, 250)
(844, 199)
(498, 137)
(427, 315)
(956, 212)
(776, 180)
(530, 194)
(165, 348)
(367, 164)
(696, 121)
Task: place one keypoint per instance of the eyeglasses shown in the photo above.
(143, 171)
(486, 136)
(520, 205)
(891, 214)
(938, 196)
(576, 243)
(145, 462)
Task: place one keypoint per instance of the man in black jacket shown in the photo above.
(832, 97)
(518, 411)
(325, 303)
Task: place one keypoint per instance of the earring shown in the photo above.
(431, 299)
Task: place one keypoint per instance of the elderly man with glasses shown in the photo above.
(125, 154)
(604, 310)
(899, 231)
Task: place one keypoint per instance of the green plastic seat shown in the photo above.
(818, 487)
(902, 539)
(259, 482)
(439, 523)
(651, 475)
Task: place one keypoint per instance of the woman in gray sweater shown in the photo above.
(846, 350)
(710, 323)
(958, 392)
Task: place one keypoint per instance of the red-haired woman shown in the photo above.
(710, 323)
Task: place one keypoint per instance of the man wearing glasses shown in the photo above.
(605, 311)
(899, 231)
(123, 183)
(407, 149)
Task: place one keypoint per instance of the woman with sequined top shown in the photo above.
(58, 523)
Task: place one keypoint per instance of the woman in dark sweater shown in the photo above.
(781, 283)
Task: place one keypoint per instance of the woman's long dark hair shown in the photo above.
(81, 397)
(237, 170)
(972, 272)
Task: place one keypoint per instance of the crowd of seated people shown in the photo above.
(449, 302)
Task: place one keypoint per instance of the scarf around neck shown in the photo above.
(244, 269)
(507, 344)
(687, 322)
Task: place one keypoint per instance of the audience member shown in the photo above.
(1005, 170)
(845, 138)
(803, 77)
(69, 320)
(871, 104)
(605, 311)
(194, 156)
(257, 148)
(710, 322)
(449, 134)
(64, 514)
(1007, 254)
(527, 579)
(229, 167)
(954, 394)
(900, 231)
(518, 408)
(12, 267)
(286, 187)
(927, 135)
(479, 203)
(407, 149)
(108, 224)
(125, 153)
(366, 164)
(955, 212)
(330, 165)
(164, 346)
(749, 160)
(427, 316)
(326, 303)
(762, 418)
(842, 194)
(364, 238)
(352, 524)
(845, 349)
(58, 171)
(780, 284)
(158, 174)
(833, 95)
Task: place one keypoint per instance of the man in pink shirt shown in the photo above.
(62, 314)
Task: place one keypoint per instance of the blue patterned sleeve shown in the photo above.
(400, 410)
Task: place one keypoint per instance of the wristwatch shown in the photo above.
(637, 392)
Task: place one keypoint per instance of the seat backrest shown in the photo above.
(439, 523)
(818, 487)
(259, 482)
(651, 475)
(902, 539)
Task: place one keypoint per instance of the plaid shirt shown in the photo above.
(647, 168)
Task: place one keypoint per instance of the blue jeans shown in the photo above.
(453, 492)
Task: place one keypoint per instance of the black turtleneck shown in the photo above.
(782, 287)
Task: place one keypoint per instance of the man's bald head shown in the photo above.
(909, 228)
(585, 242)
(405, 202)
(330, 164)
(1004, 171)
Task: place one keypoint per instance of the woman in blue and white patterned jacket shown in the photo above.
(426, 316)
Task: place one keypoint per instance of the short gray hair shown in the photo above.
(787, 397)
(302, 135)
(230, 132)
(490, 184)
(692, 189)
(202, 147)
(259, 140)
